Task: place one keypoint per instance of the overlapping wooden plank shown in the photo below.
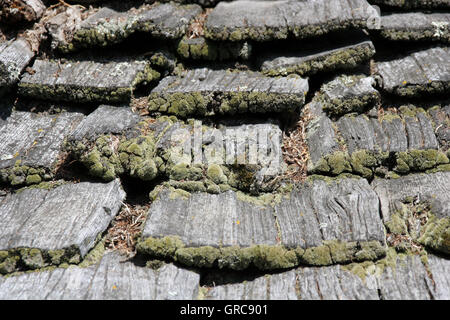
(31, 145)
(42, 227)
(208, 92)
(234, 231)
(15, 55)
(421, 73)
(325, 283)
(377, 142)
(270, 20)
(406, 278)
(107, 26)
(105, 120)
(347, 94)
(416, 26)
(85, 81)
(318, 57)
(417, 206)
(110, 279)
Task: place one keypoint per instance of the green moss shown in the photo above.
(329, 180)
(235, 258)
(437, 234)
(370, 250)
(440, 168)
(263, 257)
(212, 187)
(422, 90)
(46, 185)
(366, 268)
(3, 255)
(183, 48)
(365, 163)
(204, 49)
(335, 251)
(179, 104)
(215, 173)
(320, 166)
(190, 186)
(242, 177)
(179, 193)
(20, 175)
(274, 257)
(77, 93)
(341, 252)
(411, 35)
(338, 163)
(396, 224)
(203, 257)
(262, 200)
(419, 160)
(418, 227)
(134, 156)
(33, 179)
(203, 104)
(410, 110)
(388, 116)
(317, 256)
(362, 162)
(161, 248)
(95, 254)
(184, 172)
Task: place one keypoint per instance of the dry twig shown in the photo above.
(195, 30)
(295, 149)
(126, 227)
